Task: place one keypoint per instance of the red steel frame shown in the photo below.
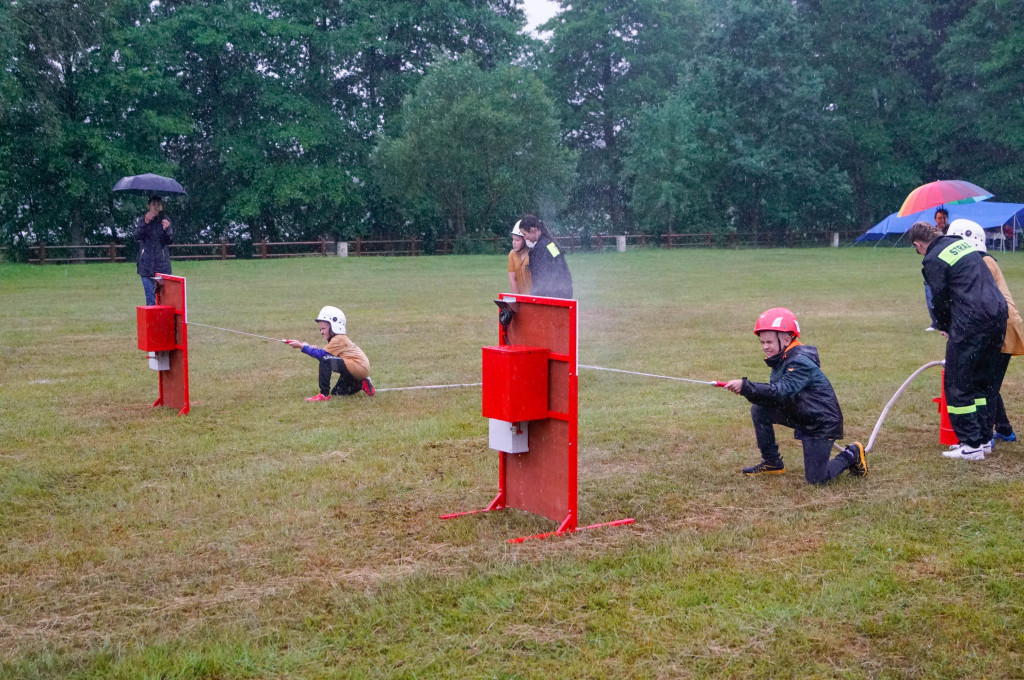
(174, 385)
(571, 417)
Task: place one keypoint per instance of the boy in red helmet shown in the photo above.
(797, 395)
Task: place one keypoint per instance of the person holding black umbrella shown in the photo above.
(154, 233)
(153, 230)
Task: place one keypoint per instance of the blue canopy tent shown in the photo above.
(988, 214)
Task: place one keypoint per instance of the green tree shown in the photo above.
(474, 149)
(878, 58)
(604, 61)
(750, 136)
(671, 168)
(81, 108)
(269, 156)
(982, 135)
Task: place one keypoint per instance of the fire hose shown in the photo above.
(718, 383)
(715, 383)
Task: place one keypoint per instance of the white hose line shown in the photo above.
(885, 411)
(654, 375)
(426, 387)
(251, 335)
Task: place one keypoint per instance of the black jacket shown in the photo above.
(154, 255)
(965, 297)
(799, 391)
(549, 271)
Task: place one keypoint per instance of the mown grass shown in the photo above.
(262, 536)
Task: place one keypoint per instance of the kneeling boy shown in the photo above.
(798, 395)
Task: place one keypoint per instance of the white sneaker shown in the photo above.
(964, 452)
(930, 329)
(987, 446)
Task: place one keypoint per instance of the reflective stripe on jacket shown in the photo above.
(549, 270)
(965, 297)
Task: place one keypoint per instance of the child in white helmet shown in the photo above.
(340, 355)
(519, 280)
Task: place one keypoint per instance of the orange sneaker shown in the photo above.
(319, 397)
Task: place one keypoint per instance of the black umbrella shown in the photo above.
(148, 184)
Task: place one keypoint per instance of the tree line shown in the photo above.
(292, 119)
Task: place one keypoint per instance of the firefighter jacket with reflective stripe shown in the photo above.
(799, 391)
(965, 298)
(549, 271)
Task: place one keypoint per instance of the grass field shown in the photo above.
(265, 537)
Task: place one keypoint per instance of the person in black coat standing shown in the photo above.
(153, 233)
(548, 268)
(971, 312)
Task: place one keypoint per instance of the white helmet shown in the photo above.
(969, 231)
(333, 316)
(515, 230)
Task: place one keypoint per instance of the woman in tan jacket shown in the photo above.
(1013, 343)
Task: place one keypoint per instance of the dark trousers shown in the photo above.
(818, 469)
(928, 302)
(346, 385)
(996, 410)
(972, 367)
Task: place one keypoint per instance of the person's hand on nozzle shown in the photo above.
(734, 386)
(297, 344)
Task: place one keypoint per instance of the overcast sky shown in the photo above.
(538, 11)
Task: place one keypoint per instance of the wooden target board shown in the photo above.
(543, 480)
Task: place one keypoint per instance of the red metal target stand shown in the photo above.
(531, 394)
(163, 333)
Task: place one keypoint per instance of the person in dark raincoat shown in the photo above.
(971, 312)
(548, 268)
(798, 395)
(154, 233)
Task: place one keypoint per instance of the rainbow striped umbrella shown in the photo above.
(942, 192)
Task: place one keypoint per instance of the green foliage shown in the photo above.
(877, 58)
(749, 135)
(983, 96)
(475, 149)
(778, 116)
(82, 108)
(604, 61)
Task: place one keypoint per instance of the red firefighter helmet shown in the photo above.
(777, 319)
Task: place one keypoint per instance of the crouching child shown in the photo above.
(797, 395)
(340, 355)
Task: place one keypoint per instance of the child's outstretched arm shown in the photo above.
(310, 350)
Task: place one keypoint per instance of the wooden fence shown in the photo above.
(115, 252)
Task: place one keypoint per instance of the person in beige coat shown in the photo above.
(1013, 343)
